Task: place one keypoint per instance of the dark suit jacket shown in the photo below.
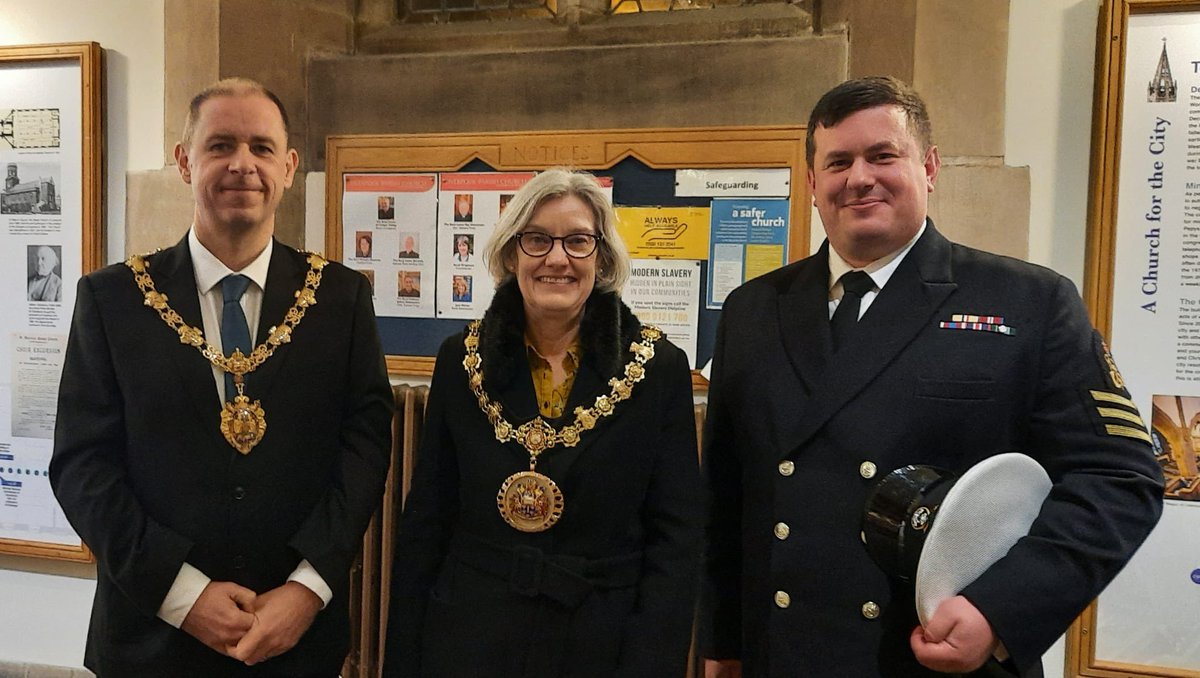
(632, 496)
(903, 391)
(145, 477)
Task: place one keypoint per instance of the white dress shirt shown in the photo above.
(880, 270)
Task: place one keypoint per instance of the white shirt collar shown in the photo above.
(880, 270)
(210, 271)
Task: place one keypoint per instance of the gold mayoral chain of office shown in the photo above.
(243, 423)
(528, 500)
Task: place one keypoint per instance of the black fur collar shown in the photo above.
(607, 329)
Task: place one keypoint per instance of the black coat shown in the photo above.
(905, 391)
(145, 477)
(472, 596)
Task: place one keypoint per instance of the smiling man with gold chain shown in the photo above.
(223, 427)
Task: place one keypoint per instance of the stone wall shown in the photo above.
(345, 67)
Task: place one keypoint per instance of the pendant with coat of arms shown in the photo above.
(530, 501)
(243, 423)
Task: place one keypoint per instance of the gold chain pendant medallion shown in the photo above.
(530, 501)
(243, 422)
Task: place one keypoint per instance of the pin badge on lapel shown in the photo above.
(978, 323)
(940, 531)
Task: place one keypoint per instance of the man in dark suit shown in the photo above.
(943, 355)
(225, 498)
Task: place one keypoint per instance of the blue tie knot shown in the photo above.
(233, 286)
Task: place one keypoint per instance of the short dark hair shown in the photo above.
(229, 87)
(857, 95)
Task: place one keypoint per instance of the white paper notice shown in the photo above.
(469, 205)
(389, 233)
(666, 293)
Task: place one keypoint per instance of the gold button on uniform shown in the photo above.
(867, 469)
(782, 530)
(870, 610)
(786, 468)
(782, 599)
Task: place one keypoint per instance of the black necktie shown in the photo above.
(235, 332)
(854, 285)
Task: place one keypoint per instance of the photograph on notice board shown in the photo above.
(408, 284)
(385, 208)
(464, 207)
(461, 286)
(363, 241)
(410, 245)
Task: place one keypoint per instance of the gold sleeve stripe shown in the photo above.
(1114, 413)
(1127, 431)
(1105, 396)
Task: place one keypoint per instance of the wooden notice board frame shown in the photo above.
(592, 150)
(1111, 106)
(89, 139)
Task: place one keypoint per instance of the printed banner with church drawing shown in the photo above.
(1147, 616)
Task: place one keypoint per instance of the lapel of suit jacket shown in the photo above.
(174, 276)
(903, 308)
(804, 318)
(285, 276)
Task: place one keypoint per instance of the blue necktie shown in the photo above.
(855, 285)
(235, 333)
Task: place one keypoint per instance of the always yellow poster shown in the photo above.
(664, 232)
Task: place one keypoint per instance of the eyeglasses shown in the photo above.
(576, 245)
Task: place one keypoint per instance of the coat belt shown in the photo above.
(531, 572)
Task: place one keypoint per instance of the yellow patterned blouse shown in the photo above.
(552, 399)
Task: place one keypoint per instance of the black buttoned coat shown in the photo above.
(473, 597)
(146, 478)
(906, 391)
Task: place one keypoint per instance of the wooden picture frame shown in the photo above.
(699, 148)
(31, 138)
(1123, 303)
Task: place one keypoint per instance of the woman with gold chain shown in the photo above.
(553, 524)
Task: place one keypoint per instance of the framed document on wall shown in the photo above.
(51, 229)
(1143, 290)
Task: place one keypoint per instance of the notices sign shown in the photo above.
(749, 238)
(666, 294)
(664, 232)
(389, 232)
(469, 205)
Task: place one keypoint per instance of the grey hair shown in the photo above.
(612, 259)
